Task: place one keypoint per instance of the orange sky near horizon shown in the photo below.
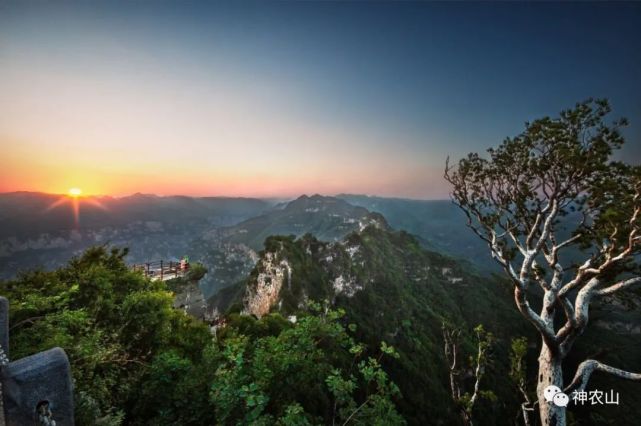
(116, 136)
(40, 174)
(43, 168)
(118, 112)
(277, 99)
(121, 132)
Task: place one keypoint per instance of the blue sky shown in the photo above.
(279, 98)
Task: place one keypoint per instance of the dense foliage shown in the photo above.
(136, 360)
(405, 295)
(310, 372)
(113, 323)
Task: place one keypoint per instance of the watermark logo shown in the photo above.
(595, 397)
(561, 400)
(554, 395)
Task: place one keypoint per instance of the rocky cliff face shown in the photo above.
(265, 291)
(190, 299)
(291, 272)
(231, 252)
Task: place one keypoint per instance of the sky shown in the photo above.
(276, 99)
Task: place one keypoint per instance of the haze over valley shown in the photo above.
(310, 213)
(223, 233)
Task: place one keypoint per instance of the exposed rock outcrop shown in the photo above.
(265, 292)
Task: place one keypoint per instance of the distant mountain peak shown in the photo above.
(317, 199)
(142, 195)
(327, 218)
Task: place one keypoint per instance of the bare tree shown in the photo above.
(458, 373)
(554, 188)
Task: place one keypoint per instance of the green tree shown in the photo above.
(531, 200)
(310, 372)
(114, 324)
(135, 360)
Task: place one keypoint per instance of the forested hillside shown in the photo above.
(356, 324)
(394, 290)
(137, 361)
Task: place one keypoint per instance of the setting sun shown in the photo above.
(74, 192)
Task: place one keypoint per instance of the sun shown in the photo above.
(74, 192)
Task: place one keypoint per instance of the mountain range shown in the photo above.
(399, 268)
(39, 230)
(231, 252)
(393, 289)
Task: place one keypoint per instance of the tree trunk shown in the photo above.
(466, 417)
(526, 415)
(550, 373)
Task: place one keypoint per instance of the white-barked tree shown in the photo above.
(562, 218)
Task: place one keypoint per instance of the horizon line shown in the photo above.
(271, 197)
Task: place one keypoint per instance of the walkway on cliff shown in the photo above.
(162, 269)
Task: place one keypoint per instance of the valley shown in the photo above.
(397, 283)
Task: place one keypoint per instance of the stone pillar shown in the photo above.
(41, 378)
(4, 325)
(35, 390)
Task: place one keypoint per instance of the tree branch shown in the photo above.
(524, 307)
(450, 338)
(587, 367)
(621, 285)
(478, 373)
(26, 321)
(582, 309)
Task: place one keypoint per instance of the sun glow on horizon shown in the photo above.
(74, 192)
(75, 198)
